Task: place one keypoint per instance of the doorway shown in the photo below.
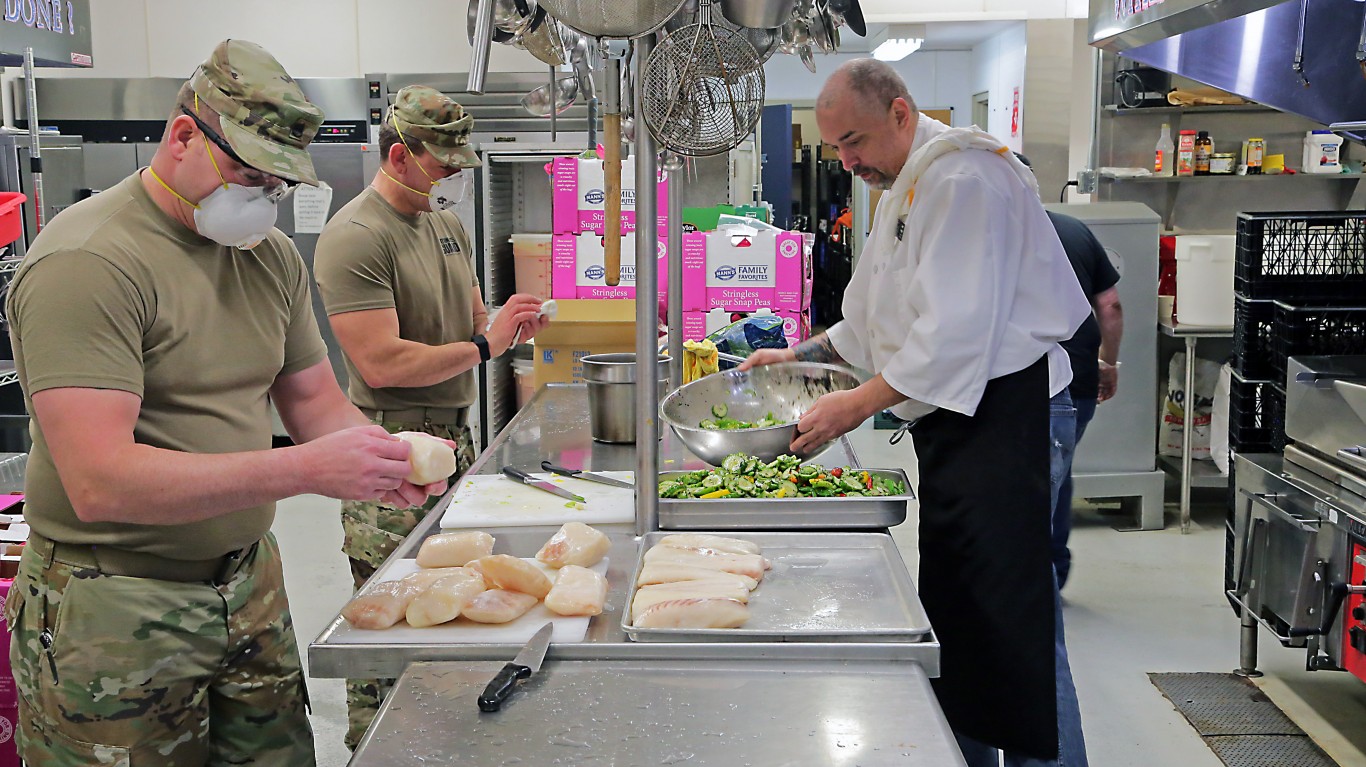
(981, 109)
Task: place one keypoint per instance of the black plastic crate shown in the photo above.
(1306, 330)
(1256, 416)
(1253, 329)
(1309, 256)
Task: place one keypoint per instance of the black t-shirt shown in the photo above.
(1096, 275)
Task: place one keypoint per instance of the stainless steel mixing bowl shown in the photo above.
(786, 390)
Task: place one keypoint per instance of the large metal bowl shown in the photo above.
(786, 390)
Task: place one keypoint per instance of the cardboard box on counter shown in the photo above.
(699, 325)
(578, 204)
(723, 270)
(581, 328)
(577, 268)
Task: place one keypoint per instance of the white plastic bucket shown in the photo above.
(531, 263)
(1322, 152)
(1204, 279)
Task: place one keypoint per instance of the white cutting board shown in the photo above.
(492, 500)
(462, 631)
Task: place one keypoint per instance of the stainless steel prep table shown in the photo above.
(771, 713)
(554, 426)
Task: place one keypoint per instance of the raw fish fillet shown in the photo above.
(694, 614)
(442, 601)
(384, 604)
(577, 591)
(656, 572)
(498, 606)
(574, 544)
(713, 542)
(649, 596)
(454, 549)
(512, 574)
(751, 565)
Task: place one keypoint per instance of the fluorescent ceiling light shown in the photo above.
(898, 41)
(897, 48)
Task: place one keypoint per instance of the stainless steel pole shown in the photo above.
(647, 309)
(554, 109)
(674, 167)
(483, 39)
(35, 151)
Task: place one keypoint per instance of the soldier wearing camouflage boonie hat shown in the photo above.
(442, 125)
(262, 112)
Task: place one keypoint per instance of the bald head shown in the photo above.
(864, 83)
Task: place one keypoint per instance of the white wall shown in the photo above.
(936, 79)
(971, 10)
(998, 69)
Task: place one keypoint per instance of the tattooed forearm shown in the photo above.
(818, 349)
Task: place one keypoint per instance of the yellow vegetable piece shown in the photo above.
(717, 494)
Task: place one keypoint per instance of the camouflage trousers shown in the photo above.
(372, 532)
(126, 672)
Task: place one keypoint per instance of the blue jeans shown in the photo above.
(1071, 743)
(1062, 506)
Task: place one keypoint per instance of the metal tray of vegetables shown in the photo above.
(745, 493)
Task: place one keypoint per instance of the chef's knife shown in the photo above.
(527, 662)
(526, 479)
(588, 475)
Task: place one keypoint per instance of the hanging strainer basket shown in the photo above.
(704, 89)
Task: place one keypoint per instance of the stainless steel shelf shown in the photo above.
(1229, 177)
(1211, 109)
(9, 265)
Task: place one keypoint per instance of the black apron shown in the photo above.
(985, 573)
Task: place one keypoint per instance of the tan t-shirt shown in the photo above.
(115, 294)
(370, 256)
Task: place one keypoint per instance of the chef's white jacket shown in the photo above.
(976, 287)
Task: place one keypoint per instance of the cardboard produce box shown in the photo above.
(581, 328)
(699, 325)
(578, 268)
(579, 202)
(723, 270)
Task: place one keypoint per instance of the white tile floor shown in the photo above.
(1138, 602)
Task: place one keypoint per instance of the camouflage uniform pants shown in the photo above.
(150, 672)
(372, 532)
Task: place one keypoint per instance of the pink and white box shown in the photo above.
(578, 201)
(699, 325)
(744, 271)
(578, 267)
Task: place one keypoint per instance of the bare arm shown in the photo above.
(1110, 316)
(109, 477)
(311, 404)
(385, 360)
(818, 349)
(842, 411)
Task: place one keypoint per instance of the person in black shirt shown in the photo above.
(1093, 351)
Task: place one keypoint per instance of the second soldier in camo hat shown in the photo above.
(149, 347)
(396, 277)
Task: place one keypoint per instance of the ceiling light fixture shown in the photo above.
(898, 41)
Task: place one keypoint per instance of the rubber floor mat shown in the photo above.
(1238, 722)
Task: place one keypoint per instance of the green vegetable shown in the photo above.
(720, 410)
(744, 476)
(722, 423)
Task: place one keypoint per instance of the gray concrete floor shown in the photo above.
(1138, 602)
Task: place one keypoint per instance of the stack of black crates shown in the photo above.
(1300, 284)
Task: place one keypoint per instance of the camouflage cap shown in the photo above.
(442, 125)
(262, 112)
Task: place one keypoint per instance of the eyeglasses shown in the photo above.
(275, 192)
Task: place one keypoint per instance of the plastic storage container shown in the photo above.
(1204, 279)
(1301, 257)
(531, 263)
(524, 373)
(1322, 152)
(11, 216)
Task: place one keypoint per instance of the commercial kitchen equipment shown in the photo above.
(868, 697)
(1117, 458)
(1299, 523)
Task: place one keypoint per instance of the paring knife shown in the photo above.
(526, 479)
(581, 474)
(527, 662)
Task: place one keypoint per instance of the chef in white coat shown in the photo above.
(957, 304)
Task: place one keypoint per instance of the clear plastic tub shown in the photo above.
(531, 263)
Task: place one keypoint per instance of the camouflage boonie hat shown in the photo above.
(442, 125)
(262, 112)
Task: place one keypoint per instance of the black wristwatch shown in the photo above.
(483, 344)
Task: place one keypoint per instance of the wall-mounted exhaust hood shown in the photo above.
(1250, 47)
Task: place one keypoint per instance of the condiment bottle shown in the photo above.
(1163, 162)
(1204, 149)
(1185, 154)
